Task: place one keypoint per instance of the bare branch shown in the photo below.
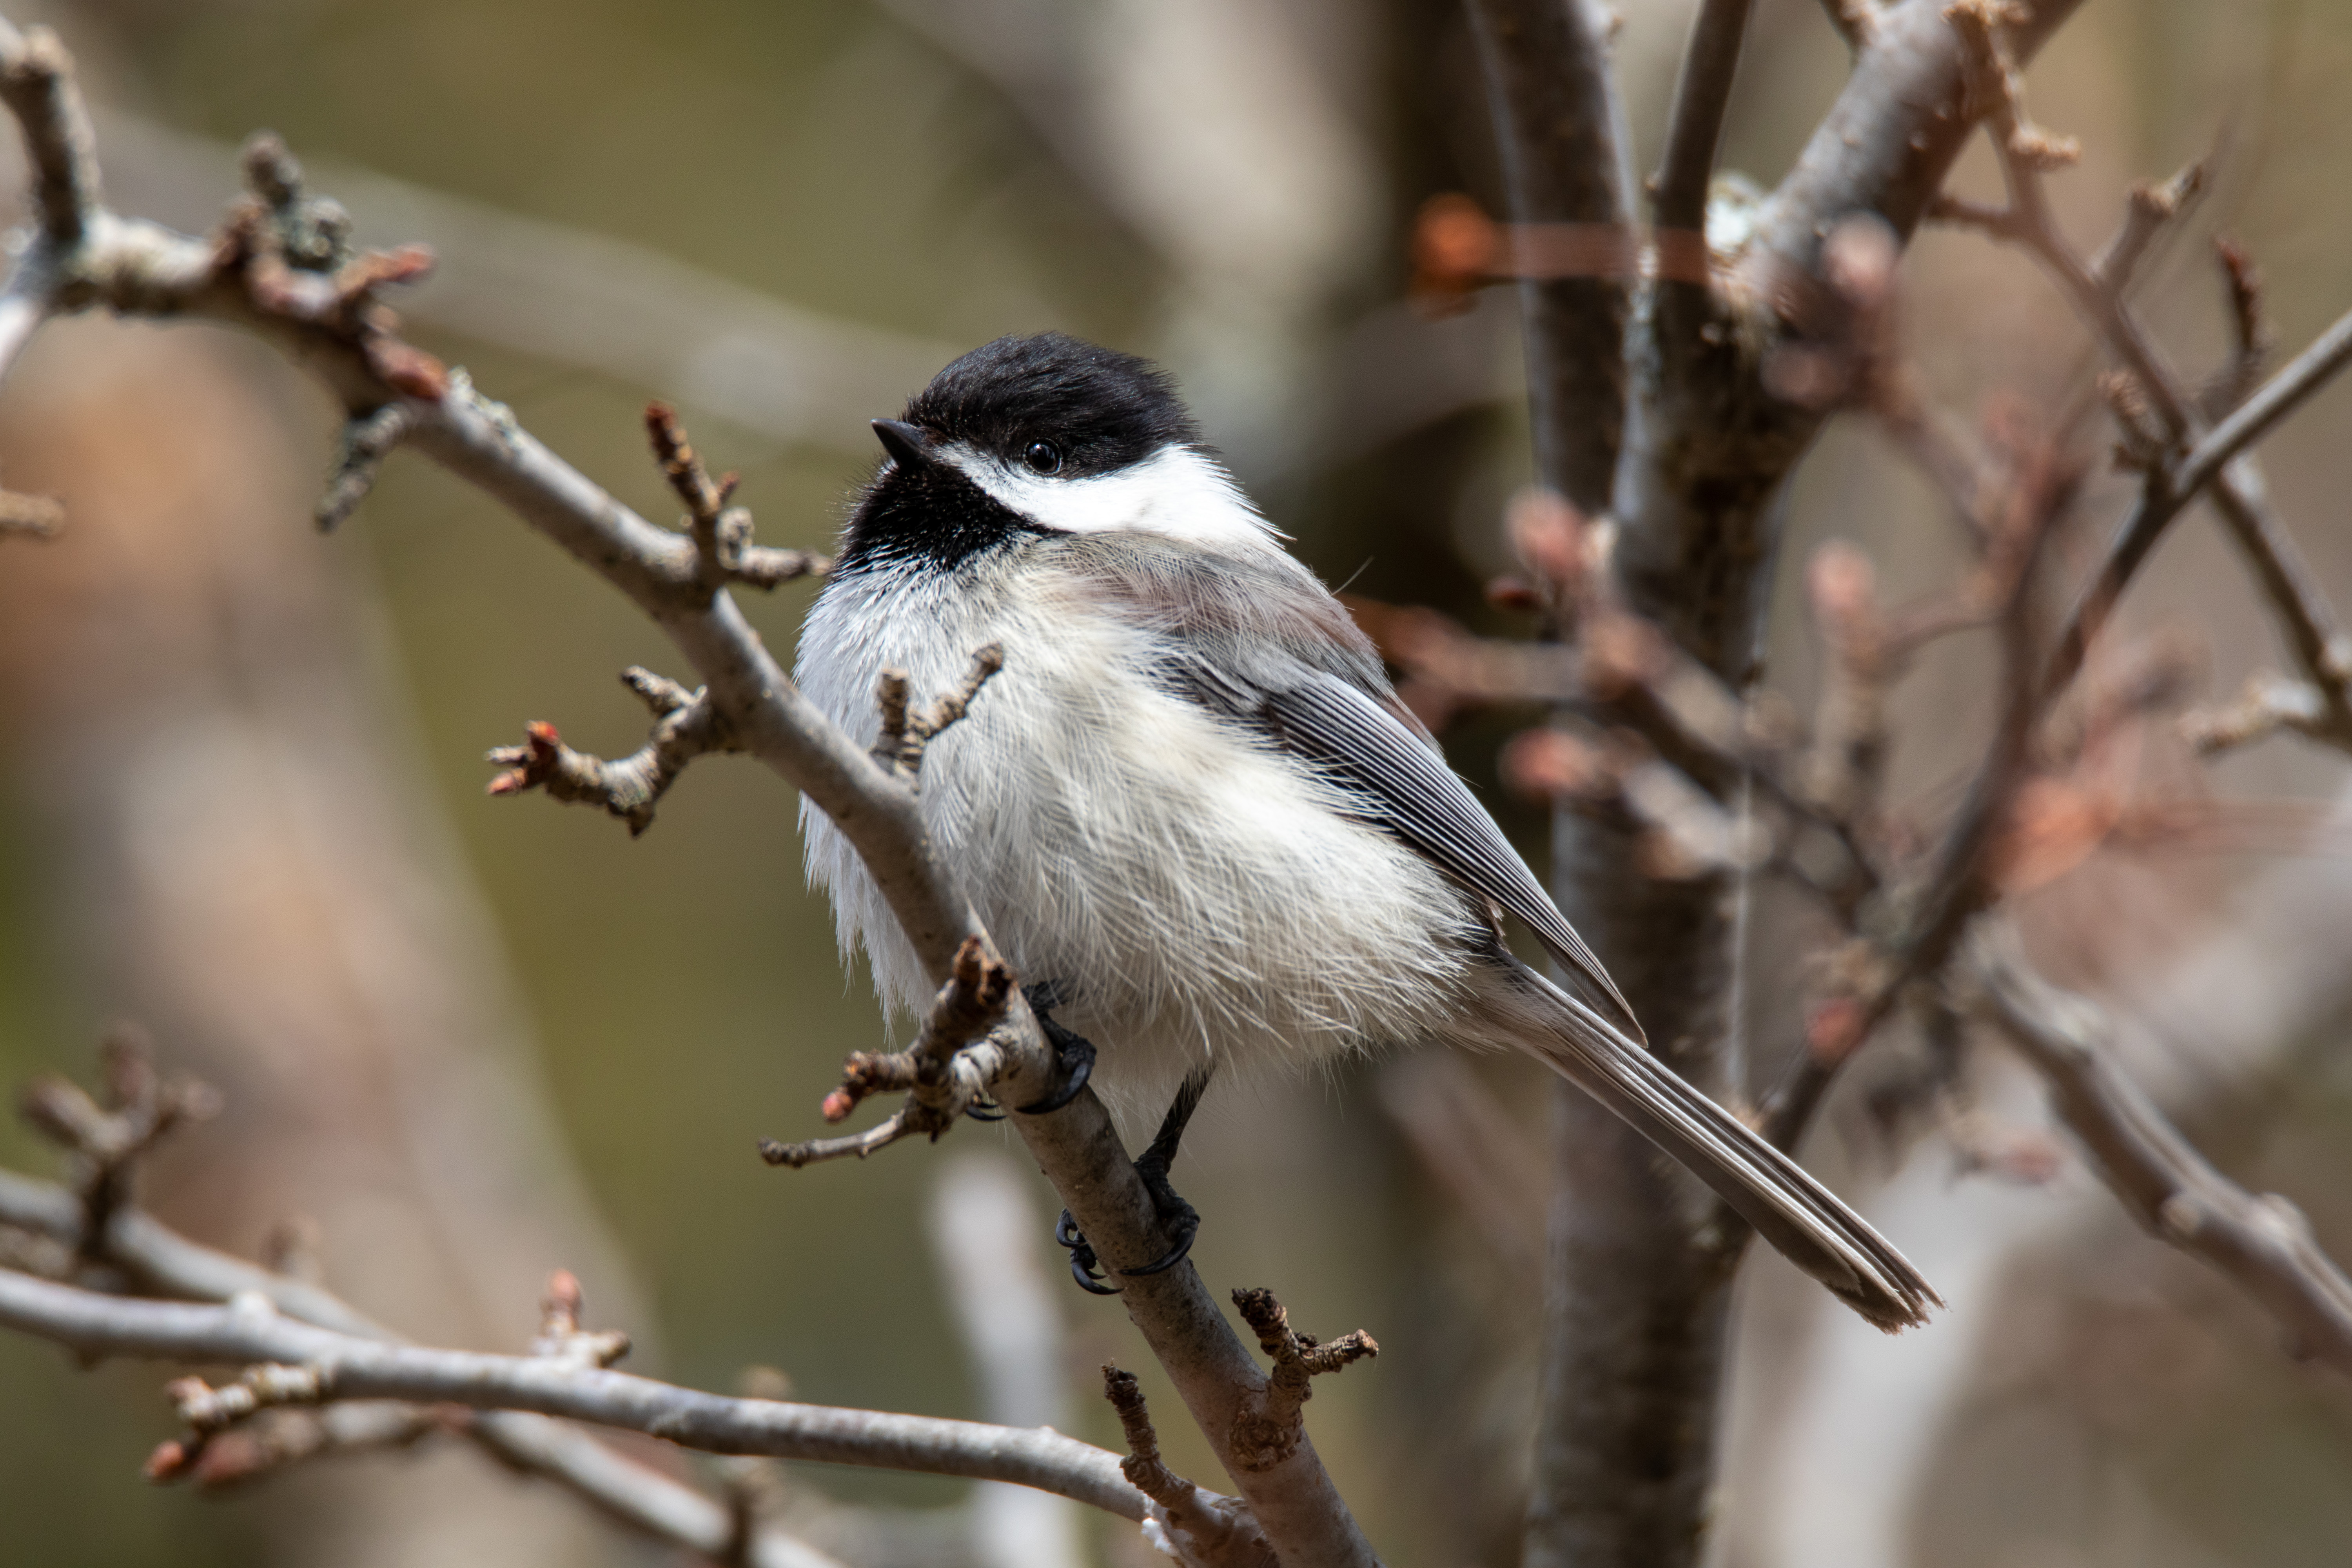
(723, 534)
(278, 1440)
(1702, 94)
(2261, 1244)
(1983, 26)
(36, 84)
(2259, 414)
(943, 1073)
(321, 1365)
(157, 1260)
(1933, 912)
(2269, 703)
(687, 726)
(1266, 1435)
(2239, 493)
(904, 733)
(1193, 1526)
(1560, 127)
(105, 1141)
(333, 325)
(1715, 439)
(1893, 134)
(2147, 211)
(2252, 333)
(367, 441)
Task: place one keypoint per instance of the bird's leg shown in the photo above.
(1073, 1056)
(1180, 1219)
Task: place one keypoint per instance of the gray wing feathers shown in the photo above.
(1424, 802)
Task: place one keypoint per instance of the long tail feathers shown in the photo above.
(1809, 1225)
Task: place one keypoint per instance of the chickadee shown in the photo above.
(1190, 807)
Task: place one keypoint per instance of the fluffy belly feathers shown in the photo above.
(1193, 892)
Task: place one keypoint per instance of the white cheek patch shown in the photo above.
(1177, 493)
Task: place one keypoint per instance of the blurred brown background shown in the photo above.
(473, 1039)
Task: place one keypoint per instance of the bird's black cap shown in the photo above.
(1101, 408)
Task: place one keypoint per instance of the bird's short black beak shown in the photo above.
(909, 444)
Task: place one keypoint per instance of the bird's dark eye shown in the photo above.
(1042, 456)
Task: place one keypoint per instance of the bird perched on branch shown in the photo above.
(1189, 809)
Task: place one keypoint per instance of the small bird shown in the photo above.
(1190, 808)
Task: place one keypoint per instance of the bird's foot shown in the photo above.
(1073, 1056)
(1179, 1220)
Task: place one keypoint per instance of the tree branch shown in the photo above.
(2255, 418)
(157, 1260)
(943, 1074)
(1187, 1524)
(1933, 912)
(1702, 94)
(247, 1331)
(36, 84)
(1561, 130)
(687, 726)
(2237, 490)
(2261, 1244)
(2268, 702)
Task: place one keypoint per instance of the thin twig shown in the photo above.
(1957, 884)
(2268, 702)
(1266, 1434)
(2258, 415)
(367, 441)
(687, 726)
(906, 733)
(2026, 154)
(104, 1138)
(944, 1073)
(722, 533)
(1193, 1526)
(36, 84)
(2147, 211)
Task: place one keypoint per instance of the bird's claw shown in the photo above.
(1177, 1219)
(1084, 1266)
(1073, 1056)
(1180, 1220)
